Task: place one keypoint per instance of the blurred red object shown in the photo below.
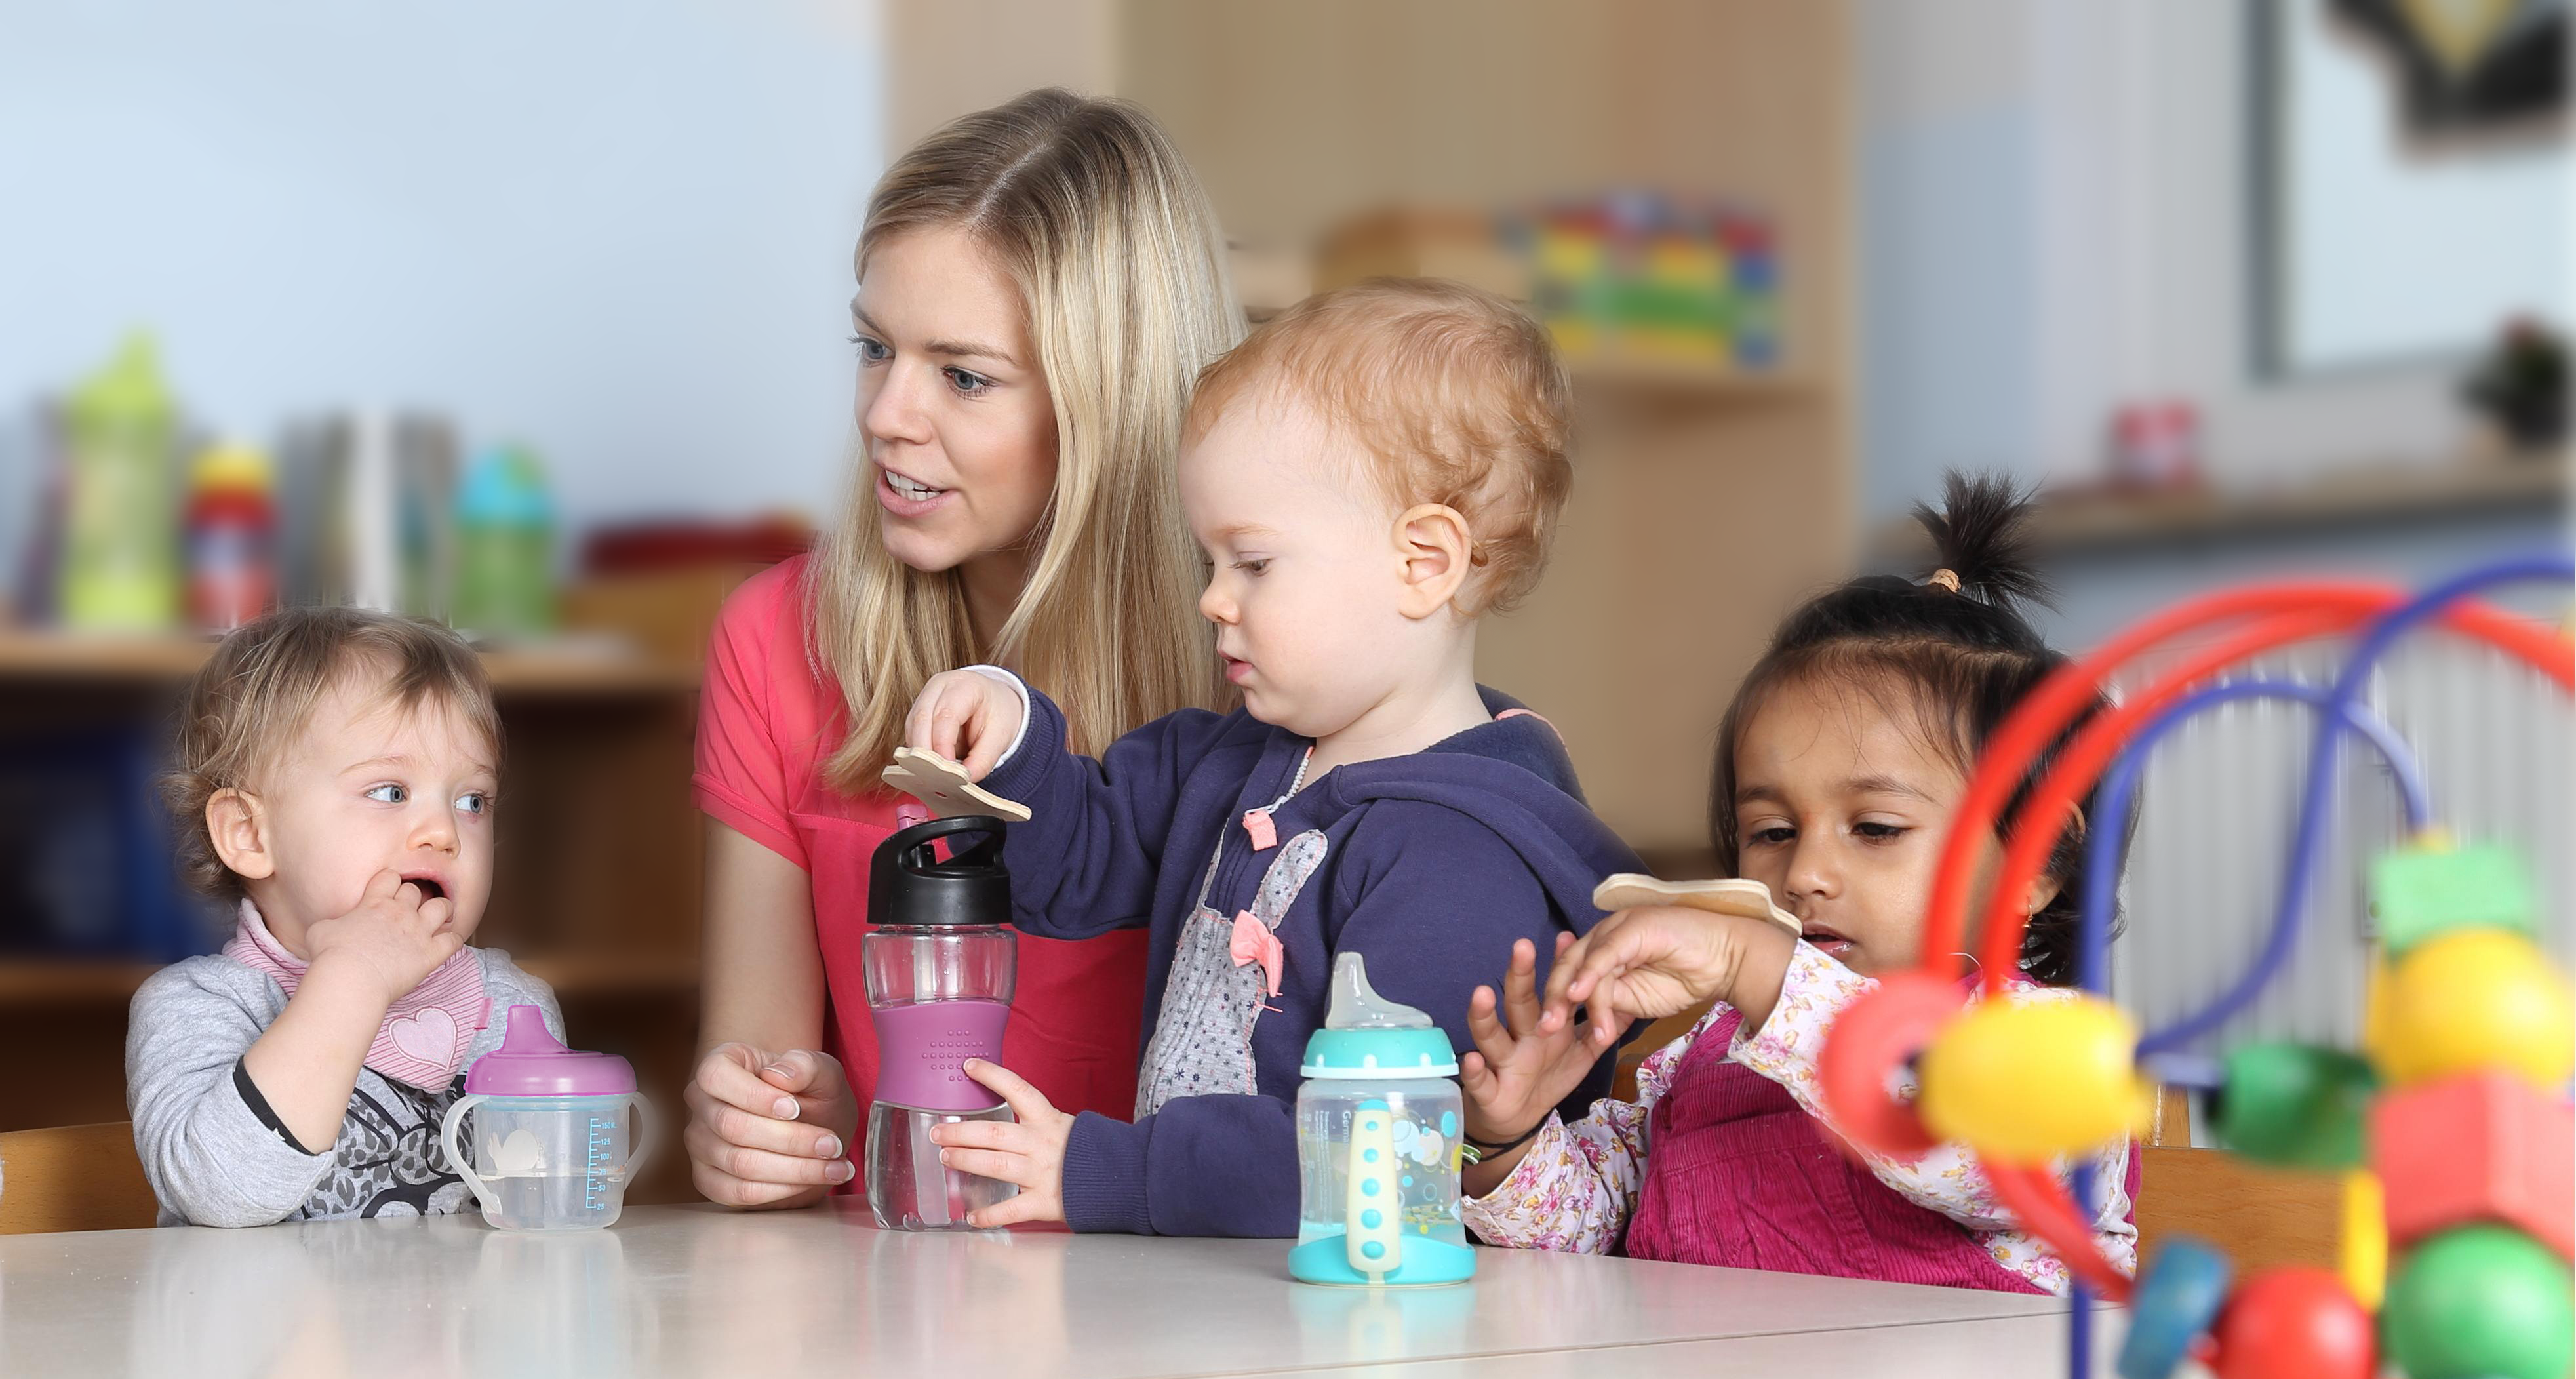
(2295, 1323)
(2482, 1146)
(231, 531)
(652, 546)
(2156, 445)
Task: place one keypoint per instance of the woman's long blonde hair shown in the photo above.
(1090, 210)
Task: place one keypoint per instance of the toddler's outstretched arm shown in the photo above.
(1087, 860)
(973, 717)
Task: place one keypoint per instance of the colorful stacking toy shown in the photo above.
(2451, 1126)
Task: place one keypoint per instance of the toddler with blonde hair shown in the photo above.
(1367, 475)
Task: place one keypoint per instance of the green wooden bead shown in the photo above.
(2482, 1302)
(2295, 1104)
(2420, 892)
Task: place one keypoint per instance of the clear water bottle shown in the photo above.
(940, 961)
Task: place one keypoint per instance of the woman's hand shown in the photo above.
(769, 1130)
(1029, 1155)
(966, 716)
(1661, 960)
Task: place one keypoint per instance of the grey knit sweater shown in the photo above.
(215, 1153)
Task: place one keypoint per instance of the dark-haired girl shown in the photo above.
(1839, 767)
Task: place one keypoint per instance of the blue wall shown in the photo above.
(618, 230)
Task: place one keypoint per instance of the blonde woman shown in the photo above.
(1039, 285)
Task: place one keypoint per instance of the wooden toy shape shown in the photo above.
(2295, 1323)
(2472, 1000)
(2285, 1103)
(1731, 896)
(2179, 1297)
(2481, 1302)
(1883, 1028)
(1983, 1078)
(2419, 892)
(2479, 1147)
(942, 784)
(2361, 1251)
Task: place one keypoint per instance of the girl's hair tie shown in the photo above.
(1946, 577)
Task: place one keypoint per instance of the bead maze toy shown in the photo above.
(2451, 1125)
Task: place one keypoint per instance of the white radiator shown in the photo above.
(2219, 811)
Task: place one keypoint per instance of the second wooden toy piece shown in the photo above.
(1628, 890)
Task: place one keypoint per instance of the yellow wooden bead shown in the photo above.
(2026, 1081)
(2374, 1008)
(2476, 999)
(2364, 1244)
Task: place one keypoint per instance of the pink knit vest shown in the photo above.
(1738, 1174)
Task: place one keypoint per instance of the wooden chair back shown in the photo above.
(2259, 1216)
(1643, 1042)
(73, 1178)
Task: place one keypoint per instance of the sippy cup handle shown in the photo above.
(464, 1163)
(1372, 1219)
(639, 1139)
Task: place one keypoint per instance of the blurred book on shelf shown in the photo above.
(85, 850)
(661, 583)
(1637, 286)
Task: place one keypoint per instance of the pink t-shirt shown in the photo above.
(766, 723)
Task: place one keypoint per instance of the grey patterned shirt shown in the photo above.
(216, 1155)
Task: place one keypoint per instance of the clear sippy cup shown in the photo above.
(1378, 1124)
(940, 963)
(554, 1145)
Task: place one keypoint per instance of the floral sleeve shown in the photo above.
(1945, 1179)
(1576, 1187)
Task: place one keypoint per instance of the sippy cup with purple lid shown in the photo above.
(559, 1135)
(940, 961)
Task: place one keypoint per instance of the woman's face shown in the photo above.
(960, 432)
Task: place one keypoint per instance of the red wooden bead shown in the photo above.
(2482, 1146)
(2295, 1323)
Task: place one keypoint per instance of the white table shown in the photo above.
(699, 1291)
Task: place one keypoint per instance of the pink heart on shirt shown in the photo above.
(429, 1036)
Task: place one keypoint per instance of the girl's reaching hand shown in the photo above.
(1527, 1058)
(1028, 1154)
(966, 716)
(1661, 960)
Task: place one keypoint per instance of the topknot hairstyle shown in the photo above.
(1957, 660)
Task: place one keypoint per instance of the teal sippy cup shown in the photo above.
(1378, 1131)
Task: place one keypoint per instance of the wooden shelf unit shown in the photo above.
(35, 654)
(2076, 523)
(2081, 522)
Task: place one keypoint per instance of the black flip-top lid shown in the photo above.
(909, 884)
